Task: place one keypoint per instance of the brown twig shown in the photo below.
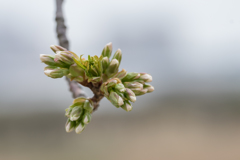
(73, 85)
(98, 95)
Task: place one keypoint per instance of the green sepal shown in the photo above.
(56, 48)
(133, 85)
(55, 72)
(86, 117)
(120, 87)
(115, 99)
(68, 112)
(127, 106)
(88, 106)
(70, 125)
(79, 101)
(149, 87)
(121, 74)
(118, 55)
(76, 113)
(107, 50)
(112, 68)
(79, 127)
(105, 63)
(130, 95)
(139, 92)
(131, 76)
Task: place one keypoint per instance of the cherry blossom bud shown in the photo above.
(130, 95)
(121, 74)
(133, 85)
(86, 118)
(139, 92)
(127, 106)
(131, 76)
(120, 87)
(76, 113)
(69, 126)
(145, 77)
(112, 68)
(55, 72)
(115, 99)
(47, 59)
(105, 63)
(79, 128)
(68, 111)
(56, 48)
(107, 50)
(64, 56)
(118, 55)
(88, 106)
(149, 88)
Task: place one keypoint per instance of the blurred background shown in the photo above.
(190, 47)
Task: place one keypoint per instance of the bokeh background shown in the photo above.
(190, 47)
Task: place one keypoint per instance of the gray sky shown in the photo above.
(175, 41)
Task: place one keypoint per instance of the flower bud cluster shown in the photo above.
(119, 87)
(137, 83)
(117, 94)
(124, 87)
(62, 64)
(79, 114)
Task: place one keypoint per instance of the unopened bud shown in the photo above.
(47, 59)
(76, 113)
(145, 77)
(86, 117)
(105, 63)
(121, 74)
(130, 95)
(133, 85)
(56, 48)
(118, 55)
(88, 106)
(68, 112)
(55, 72)
(112, 83)
(120, 87)
(127, 106)
(113, 67)
(69, 126)
(64, 56)
(149, 88)
(107, 50)
(79, 128)
(115, 99)
(131, 76)
(139, 92)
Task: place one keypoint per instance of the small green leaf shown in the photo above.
(79, 63)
